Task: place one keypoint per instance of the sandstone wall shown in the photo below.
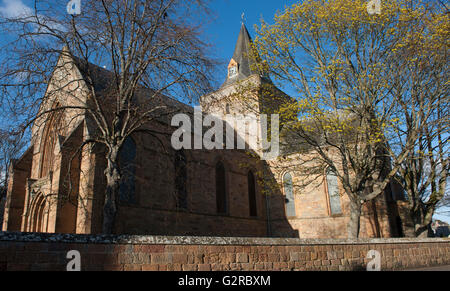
(32, 251)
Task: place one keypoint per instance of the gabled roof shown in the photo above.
(241, 57)
(103, 79)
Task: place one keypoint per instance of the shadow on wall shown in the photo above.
(278, 226)
(157, 209)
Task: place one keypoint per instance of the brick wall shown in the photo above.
(32, 251)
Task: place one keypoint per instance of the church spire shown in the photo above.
(240, 66)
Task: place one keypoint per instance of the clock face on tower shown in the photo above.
(232, 71)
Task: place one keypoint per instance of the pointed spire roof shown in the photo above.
(241, 58)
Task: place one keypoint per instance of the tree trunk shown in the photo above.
(355, 215)
(112, 191)
(422, 222)
(423, 230)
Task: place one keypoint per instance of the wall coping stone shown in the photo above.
(197, 240)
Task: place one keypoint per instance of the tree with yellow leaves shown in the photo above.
(341, 61)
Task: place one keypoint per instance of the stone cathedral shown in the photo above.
(181, 192)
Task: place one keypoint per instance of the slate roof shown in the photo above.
(102, 80)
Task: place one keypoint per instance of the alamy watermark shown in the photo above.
(375, 263)
(234, 132)
(75, 261)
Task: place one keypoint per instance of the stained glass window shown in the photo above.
(127, 163)
(221, 194)
(180, 179)
(289, 195)
(333, 193)
(252, 193)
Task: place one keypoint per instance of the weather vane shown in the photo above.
(243, 17)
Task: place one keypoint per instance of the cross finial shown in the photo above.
(243, 18)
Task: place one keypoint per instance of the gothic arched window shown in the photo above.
(333, 193)
(289, 194)
(252, 193)
(221, 190)
(127, 163)
(52, 129)
(180, 179)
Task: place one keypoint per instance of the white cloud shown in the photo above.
(17, 9)
(14, 8)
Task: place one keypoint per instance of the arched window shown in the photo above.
(252, 193)
(127, 163)
(221, 191)
(289, 194)
(180, 179)
(53, 128)
(333, 193)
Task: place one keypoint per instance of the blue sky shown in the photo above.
(221, 30)
(224, 28)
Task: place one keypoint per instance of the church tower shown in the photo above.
(246, 92)
(241, 65)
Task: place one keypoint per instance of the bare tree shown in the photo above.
(150, 47)
(11, 146)
(419, 81)
(424, 172)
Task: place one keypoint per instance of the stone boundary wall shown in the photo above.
(37, 251)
